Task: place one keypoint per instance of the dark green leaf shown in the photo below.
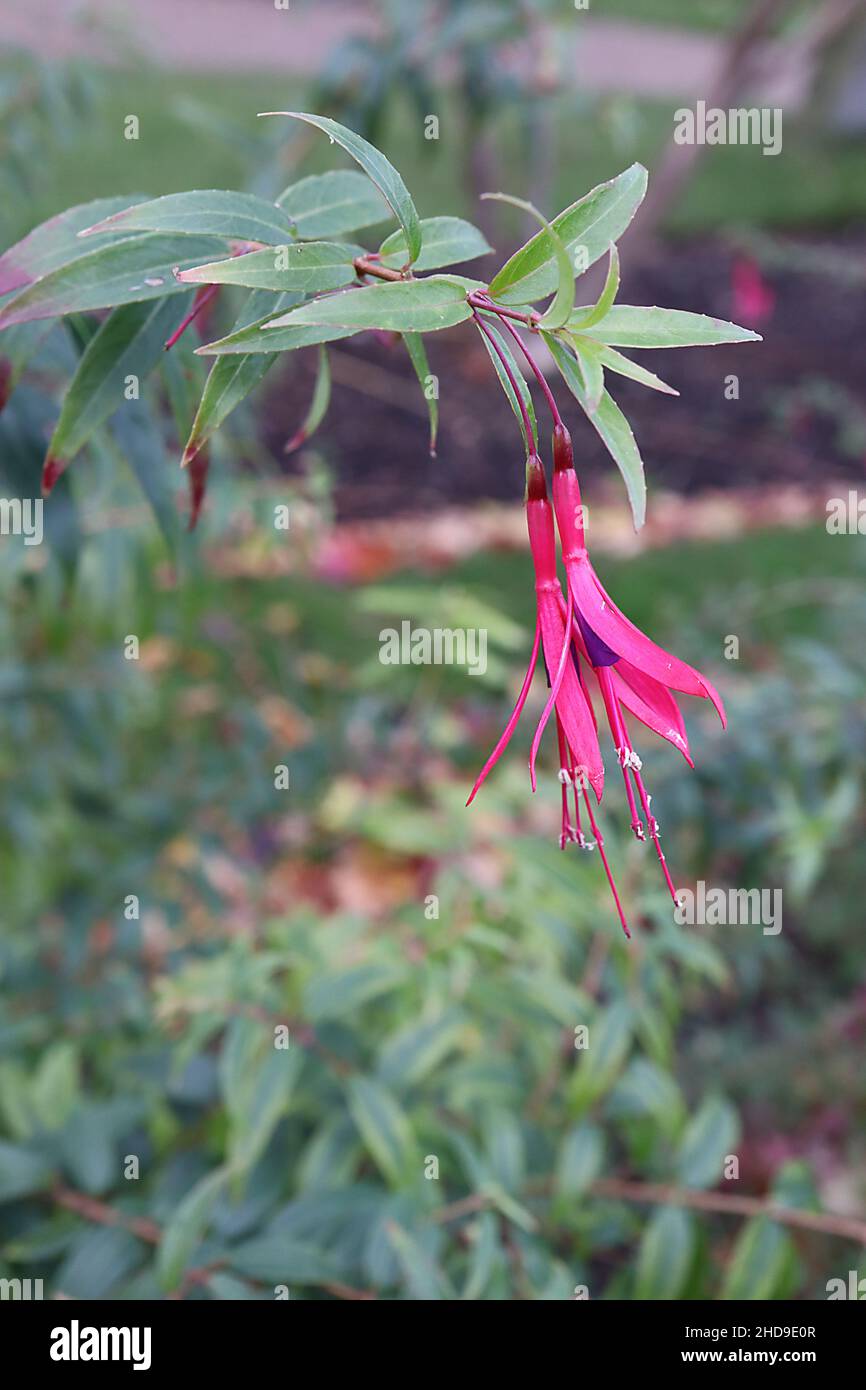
(761, 1264)
(711, 1135)
(665, 1254)
(318, 405)
(331, 204)
(611, 425)
(374, 163)
(526, 398)
(420, 306)
(447, 241)
(418, 356)
(306, 267)
(124, 272)
(233, 377)
(382, 1125)
(130, 342)
(590, 224)
(631, 325)
(580, 1159)
(53, 244)
(185, 1228)
(203, 212)
(22, 1171)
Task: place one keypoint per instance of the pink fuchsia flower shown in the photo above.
(753, 299)
(567, 696)
(581, 766)
(632, 672)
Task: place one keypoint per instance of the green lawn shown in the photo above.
(198, 131)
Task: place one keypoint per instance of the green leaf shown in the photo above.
(416, 1050)
(334, 994)
(56, 1085)
(505, 1147)
(331, 204)
(186, 1226)
(607, 296)
(125, 272)
(88, 1146)
(592, 374)
(231, 378)
(592, 224)
(563, 302)
(306, 267)
(447, 240)
(418, 356)
(522, 387)
(383, 1127)
(602, 1060)
(623, 366)
(22, 1171)
(711, 1135)
(273, 1259)
(53, 244)
(97, 1262)
(374, 164)
(761, 1264)
(632, 325)
(648, 1089)
(318, 405)
(259, 337)
(580, 1159)
(665, 1255)
(131, 341)
(612, 426)
(257, 1082)
(485, 1255)
(424, 1278)
(203, 212)
(419, 306)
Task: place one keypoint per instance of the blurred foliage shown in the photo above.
(431, 1130)
(415, 1039)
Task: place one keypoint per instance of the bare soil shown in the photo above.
(799, 417)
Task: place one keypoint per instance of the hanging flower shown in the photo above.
(631, 671)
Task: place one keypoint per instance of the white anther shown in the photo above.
(564, 776)
(629, 758)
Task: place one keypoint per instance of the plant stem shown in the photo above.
(661, 1194)
(538, 373)
(101, 1214)
(527, 424)
(483, 301)
(200, 299)
(381, 272)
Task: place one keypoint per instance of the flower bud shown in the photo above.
(563, 454)
(536, 485)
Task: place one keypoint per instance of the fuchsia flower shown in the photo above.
(754, 299)
(585, 636)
